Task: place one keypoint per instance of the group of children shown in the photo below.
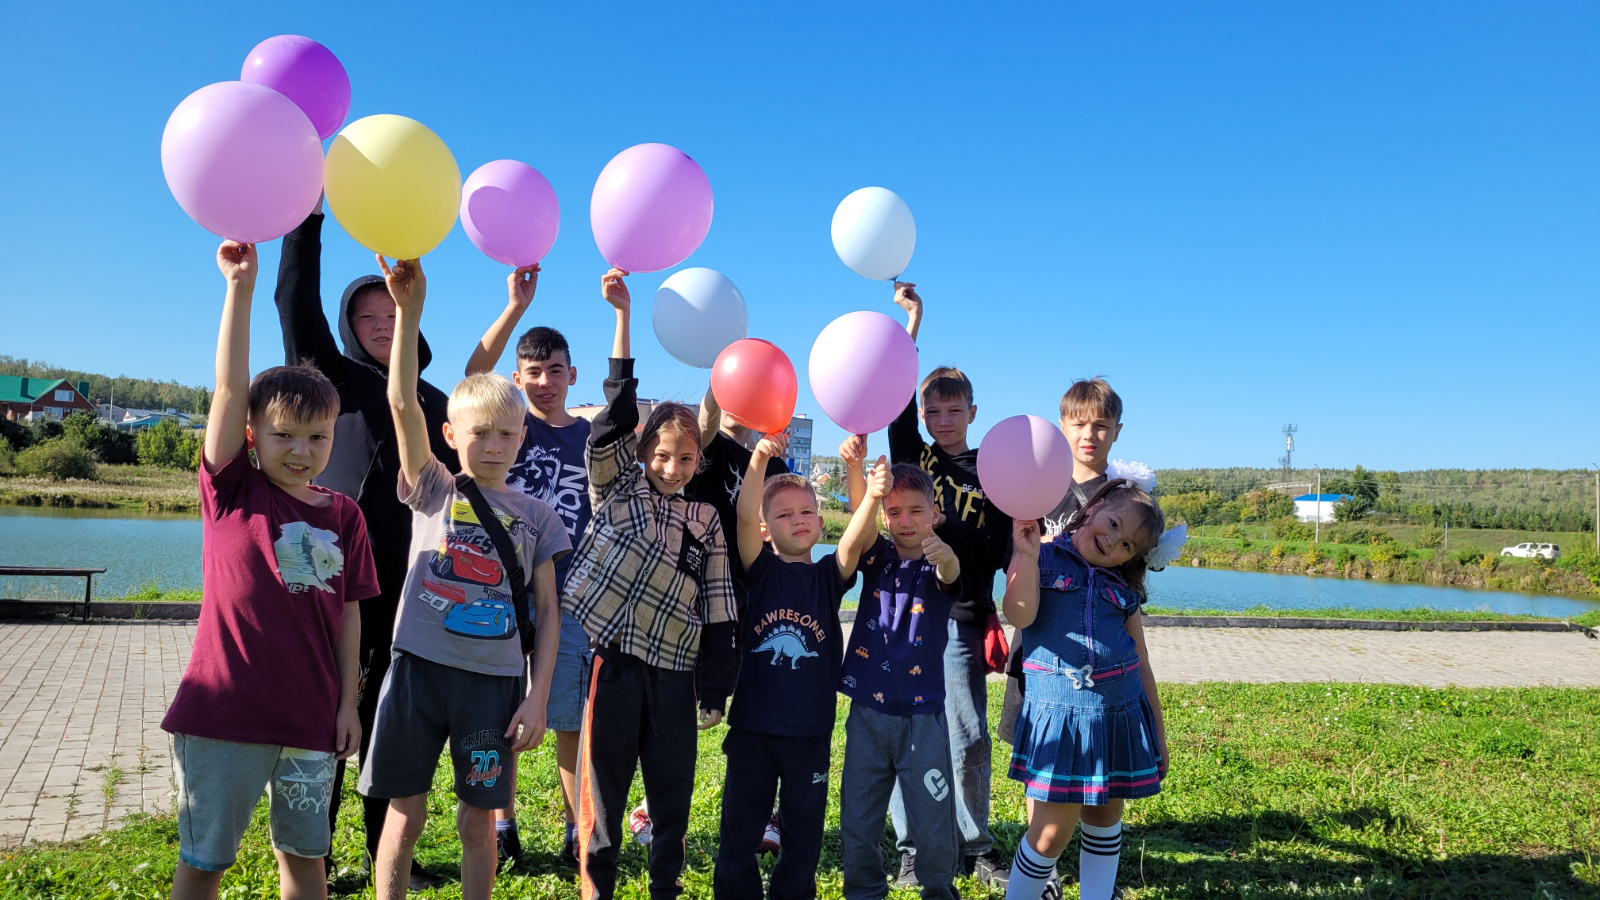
(616, 584)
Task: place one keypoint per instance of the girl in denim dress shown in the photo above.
(1090, 732)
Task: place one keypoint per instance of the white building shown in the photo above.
(1317, 507)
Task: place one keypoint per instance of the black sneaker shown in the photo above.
(508, 846)
(908, 871)
(420, 880)
(569, 852)
(990, 868)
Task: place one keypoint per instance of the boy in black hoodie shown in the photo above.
(366, 463)
(978, 532)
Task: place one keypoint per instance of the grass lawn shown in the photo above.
(116, 486)
(1321, 790)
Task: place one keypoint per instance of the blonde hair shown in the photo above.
(1091, 398)
(485, 394)
(788, 481)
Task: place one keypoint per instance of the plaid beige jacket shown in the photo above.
(652, 569)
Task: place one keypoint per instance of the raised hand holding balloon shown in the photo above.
(697, 314)
(874, 233)
(650, 209)
(1025, 466)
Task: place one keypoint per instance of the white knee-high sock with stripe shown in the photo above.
(1099, 850)
(1029, 873)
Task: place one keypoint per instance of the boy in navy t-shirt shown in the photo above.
(894, 676)
(790, 647)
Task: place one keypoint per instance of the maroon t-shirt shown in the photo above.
(276, 575)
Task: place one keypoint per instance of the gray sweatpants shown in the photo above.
(880, 750)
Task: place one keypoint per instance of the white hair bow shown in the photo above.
(1166, 548)
(1137, 472)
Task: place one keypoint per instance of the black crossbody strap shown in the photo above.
(508, 556)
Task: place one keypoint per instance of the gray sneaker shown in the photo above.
(908, 871)
(990, 868)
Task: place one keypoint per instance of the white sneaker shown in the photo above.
(640, 823)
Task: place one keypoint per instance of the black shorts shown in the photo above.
(423, 704)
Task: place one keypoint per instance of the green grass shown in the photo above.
(115, 487)
(1417, 614)
(1321, 790)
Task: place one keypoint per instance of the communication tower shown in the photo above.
(1288, 450)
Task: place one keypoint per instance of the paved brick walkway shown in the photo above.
(80, 705)
(80, 712)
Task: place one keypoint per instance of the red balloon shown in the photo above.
(755, 384)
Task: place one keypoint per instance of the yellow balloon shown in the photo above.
(393, 185)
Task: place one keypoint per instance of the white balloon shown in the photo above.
(698, 313)
(874, 234)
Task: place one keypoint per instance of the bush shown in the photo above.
(1314, 555)
(8, 458)
(57, 460)
(1342, 555)
(169, 445)
(1231, 532)
(1278, 552)
(1430, 537)
(1388, 552)
(1288, 528)
(105, 442)
(1345, 533)
(1468, 556)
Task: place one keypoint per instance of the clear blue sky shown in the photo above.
(1376, 220)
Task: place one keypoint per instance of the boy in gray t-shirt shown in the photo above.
(458, 669)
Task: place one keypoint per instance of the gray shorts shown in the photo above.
(422, 705)
(569, 683)
(219, 784)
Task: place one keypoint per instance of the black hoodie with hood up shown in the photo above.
(366, 461)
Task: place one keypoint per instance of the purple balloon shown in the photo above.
(242, 160)
(1025, 466)
(510, 212)
(651, 208)
(863, 371)
(305, 72)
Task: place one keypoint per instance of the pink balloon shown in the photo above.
(651, 208)
(1025, 466)
(305, 72)
(510, 212)
(863, 371)
(242, 160)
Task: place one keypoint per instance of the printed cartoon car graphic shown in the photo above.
(916, 609)
(916, 670)
(917, 699)
(441, 596)
(849, 681)
(463, 560)
(878, 696)
(862, 652)
(487, 618)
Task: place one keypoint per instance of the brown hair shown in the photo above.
(946, 381)
(1091, 398)
(908, 477)
(1127, 496)
(673, 418)
(788, 481)
(298, 393)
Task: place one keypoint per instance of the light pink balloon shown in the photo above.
(242, 160)
(1025, 466)
(651, 208)
(863, 371)
(510, 212)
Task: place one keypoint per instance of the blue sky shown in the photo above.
(1376, 220)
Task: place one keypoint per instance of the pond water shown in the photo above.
(137, 549)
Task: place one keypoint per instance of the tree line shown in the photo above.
(136, 393)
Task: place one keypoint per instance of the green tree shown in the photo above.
(167, 444)
(56, 460)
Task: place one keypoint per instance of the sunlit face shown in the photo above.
(1091, 439)
(671, 460)
(290, 452)
(909, 515)
(545, 382)
(487, 445)
(947, 418)
(1110, 536)
(791, 521)
(372, 319)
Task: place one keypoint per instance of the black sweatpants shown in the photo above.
(761, 766)
(640, 717)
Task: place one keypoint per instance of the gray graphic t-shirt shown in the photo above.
(550, 467)
(456, 608)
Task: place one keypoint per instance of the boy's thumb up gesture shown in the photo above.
(937, 552)
(881, 481)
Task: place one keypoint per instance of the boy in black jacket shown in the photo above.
(978, 532)
(365, 464)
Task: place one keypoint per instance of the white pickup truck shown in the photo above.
(1532, 551)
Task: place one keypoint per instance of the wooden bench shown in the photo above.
(48, 571)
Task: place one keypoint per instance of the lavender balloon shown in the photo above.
(510, 212)
(242, 160)
(863, 371)
(305, 72)
(651, 208)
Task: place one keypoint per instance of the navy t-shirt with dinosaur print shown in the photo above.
(791, 647)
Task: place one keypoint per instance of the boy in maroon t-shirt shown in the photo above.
(269, 697)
